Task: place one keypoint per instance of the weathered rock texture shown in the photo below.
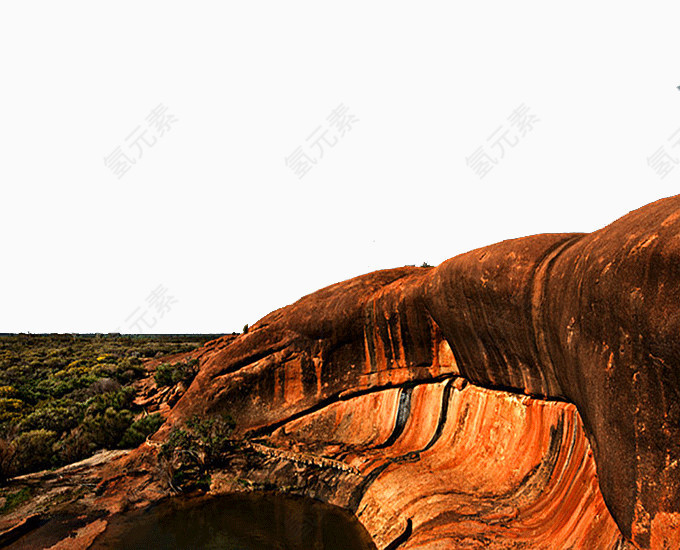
(522, 395)
(463, 469)
(589, 319)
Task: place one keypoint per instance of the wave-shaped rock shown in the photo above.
(521, 395)
(588, 319)
(470, 468)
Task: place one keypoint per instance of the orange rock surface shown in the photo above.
(521, 395)
(579, 322)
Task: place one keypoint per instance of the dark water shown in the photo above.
(239, 522)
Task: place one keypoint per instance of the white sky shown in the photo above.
(211, 211)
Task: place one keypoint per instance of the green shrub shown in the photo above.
(137, 433)
(129, 370)
(192, 450)
(105, 430)
(34, 450)
(164, 375)
(62, 383)
(11, 409)
(206, 437)
(58, 416)
(169, 375)
(121, 399)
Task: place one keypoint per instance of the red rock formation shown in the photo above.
(522, 395)
(471, 469)
(591, 320)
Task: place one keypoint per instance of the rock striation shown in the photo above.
(522, 395)
(585, 322)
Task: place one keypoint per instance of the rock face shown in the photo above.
(521, 395)
(470, 468)
(579, 322)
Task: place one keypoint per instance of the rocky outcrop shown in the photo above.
(521, 395)
(588, 319)
(463, 468)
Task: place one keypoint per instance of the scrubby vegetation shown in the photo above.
(169, 375)
(191, 451)
(63, 397)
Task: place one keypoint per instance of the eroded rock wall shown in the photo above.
(521, 395)
(589, 319)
